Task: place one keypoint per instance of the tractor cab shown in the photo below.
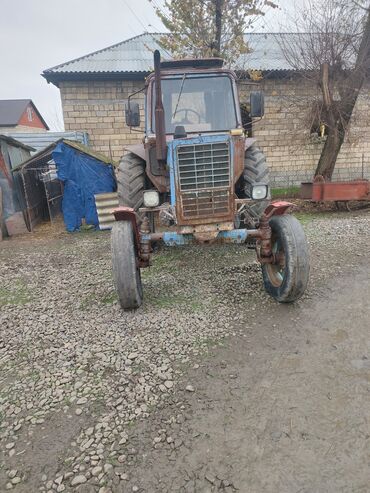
(200, 103)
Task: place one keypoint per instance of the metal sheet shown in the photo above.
(135, 55)
(105, 204)
(341, 191)
(40, 140)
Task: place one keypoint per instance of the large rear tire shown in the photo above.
(255, 172)
(131, 181)
(287, 279)
(126, 272)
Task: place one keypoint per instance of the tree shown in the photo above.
(333, 51)
(209, 28)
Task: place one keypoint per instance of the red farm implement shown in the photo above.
(335, 191)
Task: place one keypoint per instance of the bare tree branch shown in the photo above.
(332, 50)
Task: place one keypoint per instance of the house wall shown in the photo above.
(283, 134)
(31, 119)
(98, 108)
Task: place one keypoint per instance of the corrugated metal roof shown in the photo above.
(45, 154)
(135, 55)
(41, 140)
(15, 142)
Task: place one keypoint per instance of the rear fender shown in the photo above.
(160, 182)
(137, 149)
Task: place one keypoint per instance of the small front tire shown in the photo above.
(126, 271)
(286, 280)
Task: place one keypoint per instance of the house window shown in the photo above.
(29, 114)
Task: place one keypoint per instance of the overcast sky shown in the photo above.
(38, 34)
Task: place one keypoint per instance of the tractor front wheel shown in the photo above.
(286, 279)
(126, 271)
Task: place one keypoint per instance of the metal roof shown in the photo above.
(15, 143)
(11, 111)
(41, 140)
(134, 57)
(46, 154)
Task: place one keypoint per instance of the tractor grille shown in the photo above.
(204, 179)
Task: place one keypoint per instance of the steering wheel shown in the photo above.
(185, 120)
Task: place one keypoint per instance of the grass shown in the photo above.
(306, 217)
(17, 294)
(109, 298)
(289, 192)
(167, 301)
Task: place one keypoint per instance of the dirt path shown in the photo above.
(284, 408)
(93, 399)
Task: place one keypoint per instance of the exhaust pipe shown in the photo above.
(160, 129)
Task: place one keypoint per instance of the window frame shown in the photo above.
(150, 99)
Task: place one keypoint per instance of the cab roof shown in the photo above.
(192, 63)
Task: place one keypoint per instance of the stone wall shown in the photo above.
(283, 134)
(98, 108)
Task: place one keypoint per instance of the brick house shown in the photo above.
(20, 115)
(95, 87)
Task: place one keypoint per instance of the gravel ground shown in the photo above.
(79, 376)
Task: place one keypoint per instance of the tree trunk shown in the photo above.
(329, 154)
(335, 137)
(339, 114)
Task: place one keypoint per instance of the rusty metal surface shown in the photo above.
(161, 182)
(341, 191)
(264, 245)
(128, 214)
(160, 129)
(305, 191)
(239, 150)
(221, 226)
(145, 244)
(204, 187)
(277, 208)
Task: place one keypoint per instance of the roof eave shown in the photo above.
(57, 78)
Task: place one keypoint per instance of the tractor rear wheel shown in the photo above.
(131, 181)
(131, 184)
(286, 279)
(126, 271)
(255, 173)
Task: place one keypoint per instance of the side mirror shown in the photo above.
(257, 101)
(132, 114)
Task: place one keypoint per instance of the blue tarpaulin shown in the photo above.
(83, 176)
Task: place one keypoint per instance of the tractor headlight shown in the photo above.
(151, 198)
(259, 192)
